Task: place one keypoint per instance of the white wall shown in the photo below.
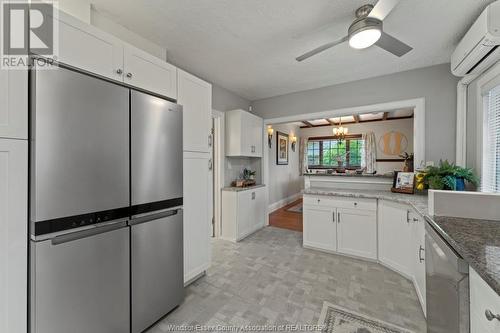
(225, 100)
(436, 84)
(404, 126)
(285, 181)
(234, 168)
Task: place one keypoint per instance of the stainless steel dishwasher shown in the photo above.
(447, 281)
(80, 281)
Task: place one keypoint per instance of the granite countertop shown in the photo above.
(239, 189)
(377, 175)
(417, 201)
(477, 241)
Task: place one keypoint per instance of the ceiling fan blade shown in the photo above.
(320, 49)
(383, 8)
(393, 45)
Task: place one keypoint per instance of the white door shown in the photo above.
(13, 235)
(418, 256)
(195, 96)
(148, 72)
(245, 211)
(320, 228)
(88, 48)
(394, 235)
(14, 104)
(357, 232)
(197, 218)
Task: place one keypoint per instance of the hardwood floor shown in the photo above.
(284, 219)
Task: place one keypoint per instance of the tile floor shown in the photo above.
(268, 278)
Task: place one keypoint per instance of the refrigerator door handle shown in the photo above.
(88, 232)
(153, 217)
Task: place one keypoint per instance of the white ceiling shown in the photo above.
(250, 46)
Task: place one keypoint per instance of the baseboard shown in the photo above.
(195, 274)
(283, 202)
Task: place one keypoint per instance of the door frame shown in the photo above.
(218, 169)
(417, 104)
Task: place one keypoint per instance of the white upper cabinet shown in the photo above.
(13, 235)
(195, 96)
(148, 72)
(244, 132)
(88, 48)
(14, 104)
(394, 237)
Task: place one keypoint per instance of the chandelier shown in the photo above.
(340, 132)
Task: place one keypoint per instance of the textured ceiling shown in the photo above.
(249, 46)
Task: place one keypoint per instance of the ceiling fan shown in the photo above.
(367, 30)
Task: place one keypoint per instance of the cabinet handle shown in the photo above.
(129, 75)
(490, 315)
(210, 140)
(420, 254)
(119, 71)
(210, 164)
(253, 195)
(333, 217)
(415, 219)
(355, 204)
(338, 217)
(407, 216)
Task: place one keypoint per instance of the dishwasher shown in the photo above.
(447, 281)
(80, 281)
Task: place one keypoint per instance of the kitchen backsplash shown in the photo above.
(235, 165)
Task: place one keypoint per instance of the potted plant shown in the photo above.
(448, 176)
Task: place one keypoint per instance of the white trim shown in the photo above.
(461, 138)
(418, 105)
(489, 75)
(219, 168)
(283, 202)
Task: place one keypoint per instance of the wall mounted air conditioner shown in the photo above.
(479, 48)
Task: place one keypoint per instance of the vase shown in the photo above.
(459, 184)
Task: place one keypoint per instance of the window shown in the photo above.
(491, 140)
(327, 152)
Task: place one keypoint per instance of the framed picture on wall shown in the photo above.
(281, 148)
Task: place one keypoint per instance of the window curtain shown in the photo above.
(370, 156)
(303, 156)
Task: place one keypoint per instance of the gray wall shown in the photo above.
(225, 100)
(435, 83)
(284, 180)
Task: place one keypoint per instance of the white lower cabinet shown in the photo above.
(13, 235)
(320, 229)
(394, 237)
(484, 302)
(357, 232)
(418, 256)
(243, 212)
(347, 226)
(197, 214)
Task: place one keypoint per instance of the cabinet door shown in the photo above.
(482, 299)
(418, 256)
(256, 135)
(87, 48)
(246, 214)
(150, 73)
(320, 228)
(197, 218)
(13, 235)
(357, 232)
(14, 104)
(394, 235)
(260, 207)
(195, 96)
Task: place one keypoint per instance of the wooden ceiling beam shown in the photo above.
(356, 118)
(386, 114)
(308, 124)
(330, 122)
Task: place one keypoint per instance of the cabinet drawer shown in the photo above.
(483, 298)
(341, 202)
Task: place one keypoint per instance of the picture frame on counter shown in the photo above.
(404, 182)
(282, 140)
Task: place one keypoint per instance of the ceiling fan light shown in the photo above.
(364, 38)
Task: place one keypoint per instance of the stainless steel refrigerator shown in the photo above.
(156, 198)
(105, 205)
